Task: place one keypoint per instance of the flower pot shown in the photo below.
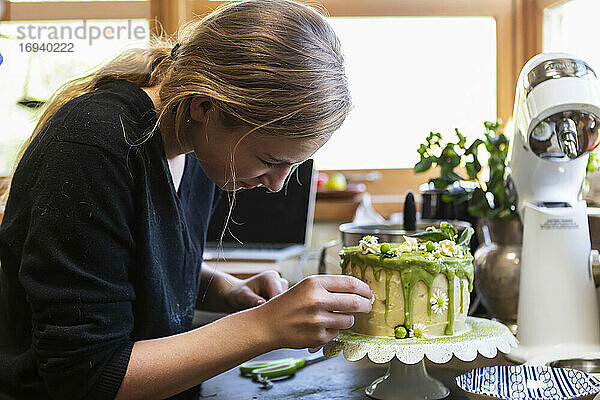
(497, 263)
(433, 206)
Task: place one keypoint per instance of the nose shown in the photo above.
(275, 178)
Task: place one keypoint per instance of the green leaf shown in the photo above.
(465, 237)
(472, 169)
(454, 176)
(449, 229)
(461, 139)
(449, 159)
(423, 165)
(441, 182)
(473, 147)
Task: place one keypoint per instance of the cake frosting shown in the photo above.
(421, 287)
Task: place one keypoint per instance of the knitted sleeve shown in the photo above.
(75, 270)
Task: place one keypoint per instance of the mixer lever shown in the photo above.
(567, 134)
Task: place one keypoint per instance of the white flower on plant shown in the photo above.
(369, 244)
(439, 302)
(419, 330)
(410, 244)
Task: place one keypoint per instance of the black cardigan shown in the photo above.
(97, 249)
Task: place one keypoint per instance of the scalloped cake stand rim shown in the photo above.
(485, 337)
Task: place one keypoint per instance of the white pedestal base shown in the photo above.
(407, 382)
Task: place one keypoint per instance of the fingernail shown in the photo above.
(260, 301)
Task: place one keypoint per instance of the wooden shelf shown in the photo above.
(387, 193)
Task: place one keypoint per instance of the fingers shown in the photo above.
(339, 321)
(349, 303)
(285, 284)
(343, 284)
(272, 284)
(247, 298)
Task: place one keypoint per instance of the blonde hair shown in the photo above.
(270, 65)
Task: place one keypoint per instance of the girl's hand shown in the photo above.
(312, 312)
(255, 290)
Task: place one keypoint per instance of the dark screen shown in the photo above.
(260, 216)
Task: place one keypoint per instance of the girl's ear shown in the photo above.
(199, 107)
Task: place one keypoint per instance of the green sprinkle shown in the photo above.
(385, 247)
(430, 246)
(400, 332)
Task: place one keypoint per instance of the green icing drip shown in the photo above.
(377, 273)
(462, 289)
(344, 265)
(429, 301)
(388, 278)
(363, 270)
(450, 326)
(410, 277)
(407, 291)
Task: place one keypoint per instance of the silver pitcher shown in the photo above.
(497, 268)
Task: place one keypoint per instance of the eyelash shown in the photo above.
(268, 164)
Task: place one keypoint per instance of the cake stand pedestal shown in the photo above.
(406, 377)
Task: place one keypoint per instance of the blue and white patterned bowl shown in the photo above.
(527, 382)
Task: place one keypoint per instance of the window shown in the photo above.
(409, 76)
(467, 57)
(571, 27)
(39, 56)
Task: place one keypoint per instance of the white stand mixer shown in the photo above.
(556, 122)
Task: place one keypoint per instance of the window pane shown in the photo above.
(572, 28)
(25, 73)
(409, 76)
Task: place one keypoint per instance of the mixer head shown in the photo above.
(559, 102)
(565, 135)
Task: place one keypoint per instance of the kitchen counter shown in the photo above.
(335, 378)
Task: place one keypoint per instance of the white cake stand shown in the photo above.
(406, 377)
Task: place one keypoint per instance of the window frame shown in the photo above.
(67, 10)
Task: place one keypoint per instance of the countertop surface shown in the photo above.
(335, 378)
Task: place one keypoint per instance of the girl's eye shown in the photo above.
(268, 164)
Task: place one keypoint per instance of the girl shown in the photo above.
(102, 239)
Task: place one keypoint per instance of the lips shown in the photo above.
(247, 186)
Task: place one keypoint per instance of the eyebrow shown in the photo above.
(277, 160)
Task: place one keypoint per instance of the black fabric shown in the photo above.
(97, 249)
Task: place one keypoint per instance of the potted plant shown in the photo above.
(487, 201)
(486, 198)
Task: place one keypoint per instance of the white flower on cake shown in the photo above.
(410, 244)
(439, 302)
(369, 244)
(450, 249)
(419, 330)
(395, 251)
